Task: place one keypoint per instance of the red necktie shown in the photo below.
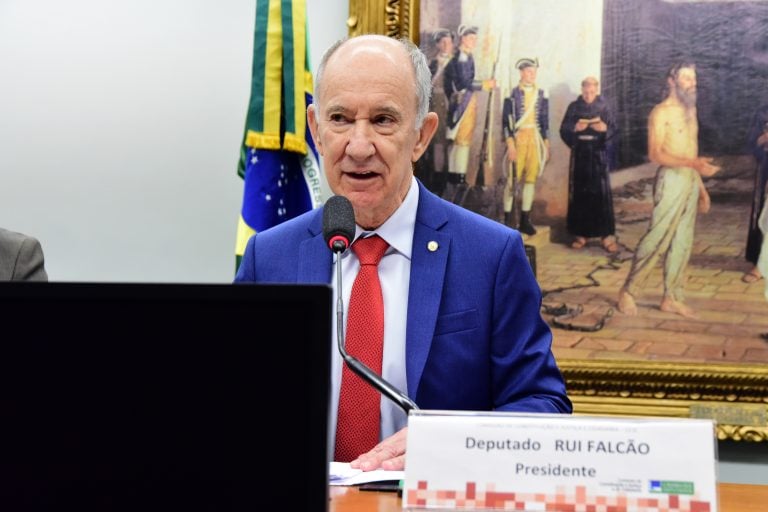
(357, 428)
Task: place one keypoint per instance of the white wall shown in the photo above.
(120, 130)
(328, 23)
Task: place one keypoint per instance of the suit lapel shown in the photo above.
(315, 258)
(428, 263)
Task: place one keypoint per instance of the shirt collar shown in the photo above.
(398, 229)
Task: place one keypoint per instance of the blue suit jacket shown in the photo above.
(475, 337)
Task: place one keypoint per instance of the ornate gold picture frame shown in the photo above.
(735, 395)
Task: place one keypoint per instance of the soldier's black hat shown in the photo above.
(465, 30)
(440, 33)
(527, 63)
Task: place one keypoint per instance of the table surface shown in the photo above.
(733, 498)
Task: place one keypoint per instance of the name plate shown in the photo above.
(508, 461)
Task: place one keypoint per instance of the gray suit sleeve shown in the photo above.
(30, 263)
(21, 257)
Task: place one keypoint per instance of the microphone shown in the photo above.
(338, 223)
(338, 232)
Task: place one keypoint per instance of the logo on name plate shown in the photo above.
(670, 487)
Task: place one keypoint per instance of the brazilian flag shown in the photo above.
(278, 160)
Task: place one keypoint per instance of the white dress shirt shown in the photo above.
(394, 274)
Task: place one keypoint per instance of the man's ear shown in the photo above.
(425, 134)
(312, 124)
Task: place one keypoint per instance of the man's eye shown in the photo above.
(337, 118)
(383, 120)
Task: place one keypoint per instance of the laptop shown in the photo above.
(130, 396)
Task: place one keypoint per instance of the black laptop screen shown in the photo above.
(163, 396)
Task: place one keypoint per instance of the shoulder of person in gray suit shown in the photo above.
(21, 257)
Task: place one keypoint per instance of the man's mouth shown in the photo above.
(364, 175)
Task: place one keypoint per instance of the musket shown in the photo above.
(486, 149)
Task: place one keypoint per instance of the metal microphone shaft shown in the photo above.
(368, 375)
(338, 233)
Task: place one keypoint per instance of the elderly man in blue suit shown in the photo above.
(462, 323)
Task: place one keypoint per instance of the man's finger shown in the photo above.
(394, 464)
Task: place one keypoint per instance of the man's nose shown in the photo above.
(360, 145)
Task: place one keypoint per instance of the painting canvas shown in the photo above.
(627, 48)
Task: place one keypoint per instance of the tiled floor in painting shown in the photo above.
(731, 314)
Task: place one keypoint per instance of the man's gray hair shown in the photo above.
(421, 71)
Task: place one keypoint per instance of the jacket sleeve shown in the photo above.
(567, 126)
(30, 263)
(507, 119)
(544, 115)
(525, 375)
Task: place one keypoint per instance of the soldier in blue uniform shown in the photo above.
(525, 126)
(460, 88)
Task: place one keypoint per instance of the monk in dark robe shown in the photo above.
(588, 128)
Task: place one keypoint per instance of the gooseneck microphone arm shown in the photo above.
(338, 233)
(357, 366)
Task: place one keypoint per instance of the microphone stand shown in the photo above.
(357, 366)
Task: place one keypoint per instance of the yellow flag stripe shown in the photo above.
(273, 73)
(299, 23)
(308, 83)
(244, 233)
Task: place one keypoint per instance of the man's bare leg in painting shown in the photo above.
(672, 144)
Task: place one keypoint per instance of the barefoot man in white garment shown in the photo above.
(677, 194)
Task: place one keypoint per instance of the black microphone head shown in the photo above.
(338, 223)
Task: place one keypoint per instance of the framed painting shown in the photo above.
(650, 316)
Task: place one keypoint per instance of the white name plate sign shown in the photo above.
(507, 461)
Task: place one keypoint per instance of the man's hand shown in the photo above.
(705, 167)
(704, 201)
(600, 126)
(581, 126)
(388, 454)
(762, 140)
